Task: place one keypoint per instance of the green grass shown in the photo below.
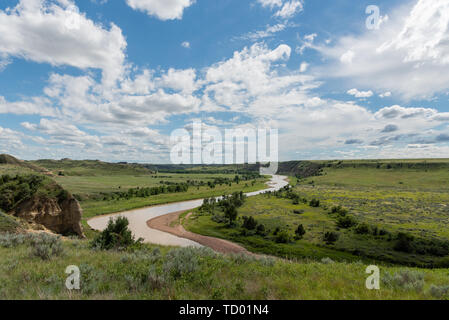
(91, 185)
(12, 170)
(98, 207)
(122, 275)
(8, 224)
(435, 180)
(411, 197)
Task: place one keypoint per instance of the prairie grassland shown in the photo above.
(88, 185)
(396, 200)
(159, 273)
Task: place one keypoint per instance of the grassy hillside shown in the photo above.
(9, 224)
(163, 273)
(14, 165)
(90, 168)
(382, 203)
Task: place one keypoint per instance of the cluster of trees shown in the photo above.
(227, 205)
(217, 181)
(14, 189)
(409, 244)
(146, 192)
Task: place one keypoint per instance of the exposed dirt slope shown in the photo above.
(168, 223)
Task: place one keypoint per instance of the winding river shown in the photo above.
(138, 218)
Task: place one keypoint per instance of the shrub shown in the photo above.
(314, 203)
(46, 246)
(331, 237)
(267, 261)
(300, 232)
(116, 236)
(13, 240)
(180, 262)
(346, 222)
(260, 230)
(327, 261)
(283, 237)
(219, 218)
(91, 278)
(404, 243)
(362, 229)
(404, 279)
(155, 280)
(340, 210)
(439, 292)
(249, 223)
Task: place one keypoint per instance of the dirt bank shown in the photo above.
(169, 223)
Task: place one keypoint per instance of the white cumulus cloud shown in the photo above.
(162, 9)
(32, 29)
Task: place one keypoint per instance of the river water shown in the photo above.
(138, 218)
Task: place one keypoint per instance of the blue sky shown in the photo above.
(111, 80)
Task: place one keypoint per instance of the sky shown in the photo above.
(111, 80)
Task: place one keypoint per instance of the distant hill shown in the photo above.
(300, 169)
(90, 167)
(6, 159)
(201, 168)
(304, 169)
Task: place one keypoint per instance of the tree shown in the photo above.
(404, 243)
(260, 230)
(346, 222)
(283, 237)
(314, 203)
(331, 237)
(231, 213)
(116, 236)
(300, 232)
(249, 223)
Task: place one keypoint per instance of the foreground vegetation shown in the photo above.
(33, 267)
(338, 218)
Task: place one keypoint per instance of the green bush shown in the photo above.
(327, 260)
(340, 210)
(283, 237)
(404, 243)
(362, 229)
(260, 230)
(405, 280)
(314, 203)
(439, 292)
(249, 223)
(180, 262)
(13, 240)
(346, 222)
(116, 236)
(46, 246)
(300, 232)
(331, 237)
